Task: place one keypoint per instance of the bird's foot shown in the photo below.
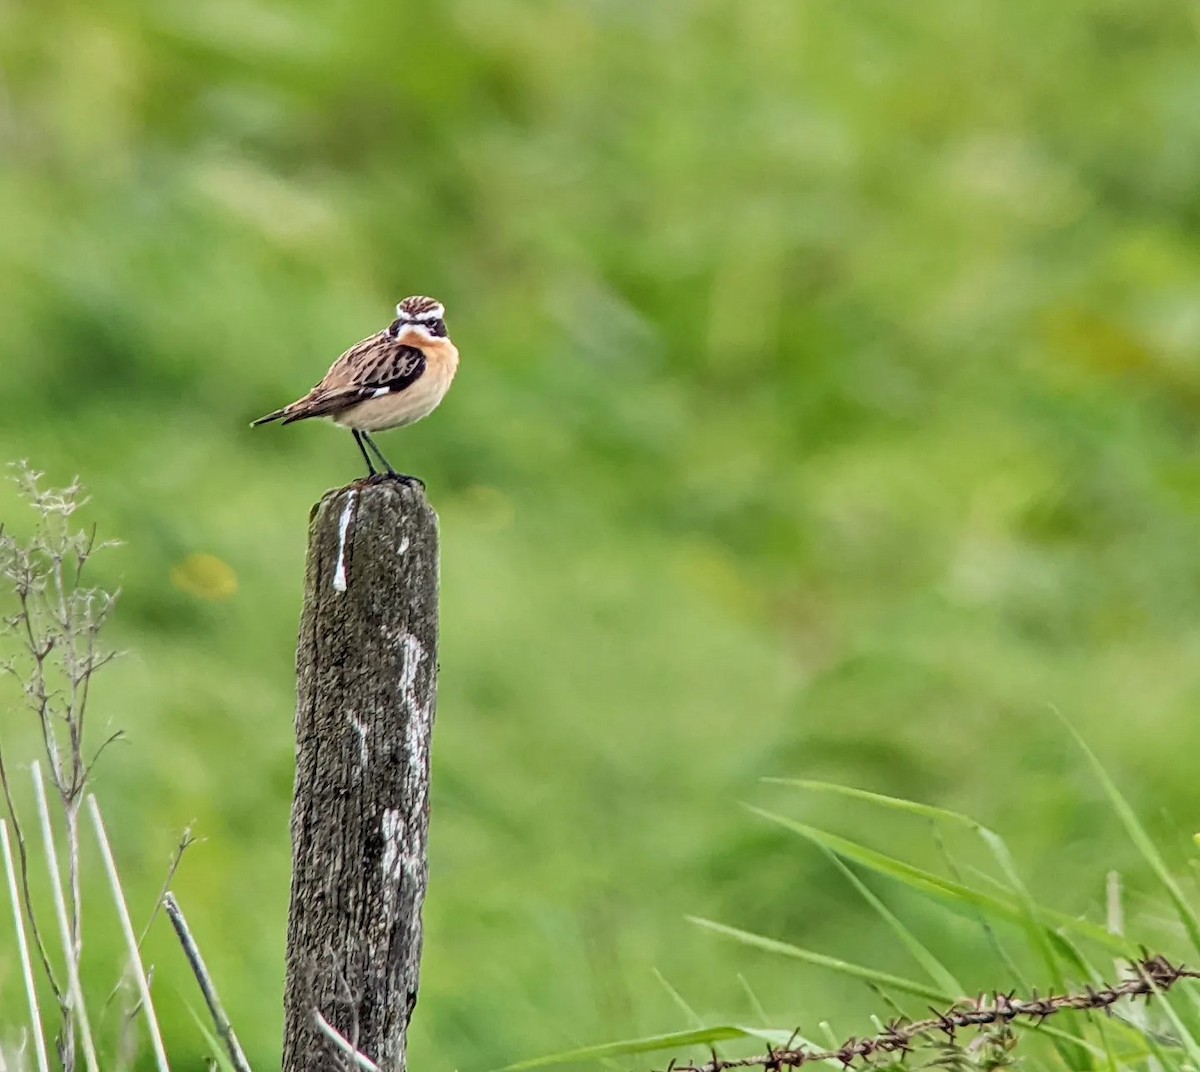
(410, 481)
(400, 478)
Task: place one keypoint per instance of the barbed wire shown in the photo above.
(1147, 976)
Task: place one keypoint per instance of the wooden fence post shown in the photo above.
(367, 672)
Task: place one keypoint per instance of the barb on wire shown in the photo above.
(1147, 977)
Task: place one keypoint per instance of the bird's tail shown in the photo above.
(270, 417)
(314, 404)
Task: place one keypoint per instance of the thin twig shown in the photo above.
(139, 971)
(35, 1026)
(207, 987)
(186, 841)
(60, 907)
(112, 738)
(1149, 976)
(361, 1060)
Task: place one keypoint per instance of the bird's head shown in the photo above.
(419, 316)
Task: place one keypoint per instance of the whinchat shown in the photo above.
(394, 378)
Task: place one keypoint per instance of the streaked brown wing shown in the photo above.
(372, 367)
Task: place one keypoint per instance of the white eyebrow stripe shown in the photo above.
(436, 313)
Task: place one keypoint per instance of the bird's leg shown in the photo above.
(378, 454)
(403, 477)
(358, 438)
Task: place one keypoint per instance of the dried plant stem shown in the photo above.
(35, 1016)
(71, 817)
(135, 959)
(220, 1020)
(361, 1060)
(55, 624)
(186, 841)
(23, 858)
(1149, 976)
(72, 949)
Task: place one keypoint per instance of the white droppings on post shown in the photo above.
(364, 753)
(403, 845)
(414, 656)
(416, 740)
(417, 723)
(393, 852)
(339, 573)
(398, 857)
(403, 546)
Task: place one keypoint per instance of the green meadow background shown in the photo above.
(829, 408)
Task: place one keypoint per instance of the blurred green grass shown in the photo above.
(829, 408)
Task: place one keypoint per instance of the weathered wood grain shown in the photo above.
(367, 683)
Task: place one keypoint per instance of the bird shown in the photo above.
(391, 379)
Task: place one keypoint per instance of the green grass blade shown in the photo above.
(956, 894)
(933, 967)
(1069, 952)
(1143, 842)
(986, 925)
(216, 1050)
(913, 807)
(843, 967)
(1022, 911)
(677, 1040)
(1185, 1036)
(678, 999)
(994, 842)
(1165, 1060)
(1038, 934)
(913, 877)
(1110, 1057)
(752, 997)
(1041, 938)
